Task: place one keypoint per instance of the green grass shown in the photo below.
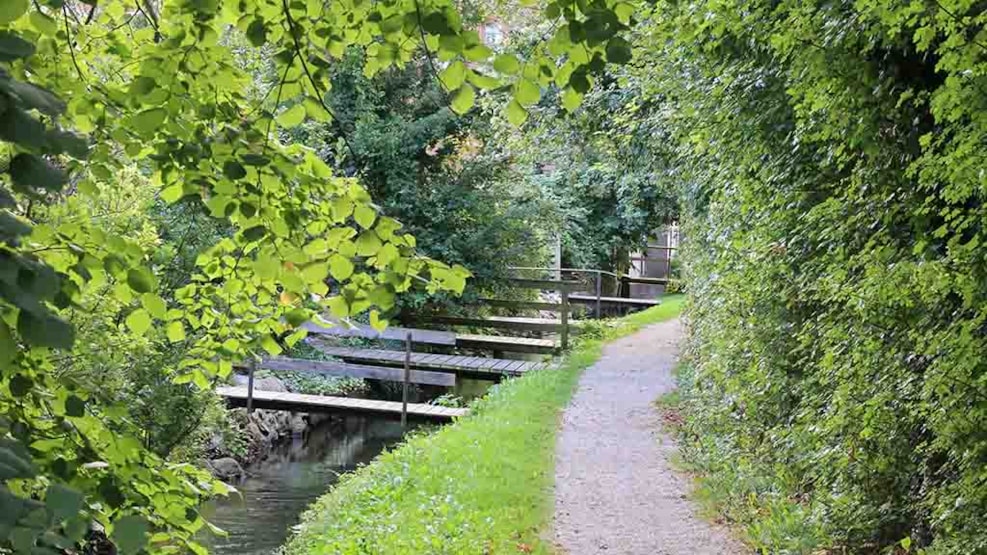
(480, 485)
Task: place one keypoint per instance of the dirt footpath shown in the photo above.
(614, 489)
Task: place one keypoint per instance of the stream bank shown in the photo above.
(256, 434)
(275, 491)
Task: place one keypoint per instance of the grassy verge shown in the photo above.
(733, 488)
(480, 485)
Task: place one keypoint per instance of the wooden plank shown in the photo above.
(237, 396)
(427, 337)
(589, 299)
(333, 368)
(518, 367)
(470, 366)
(502, 343)
(534, 305)
(645, 280)
(502, 364)
(502, 322)
(565, 319)
(546, 284)
(479, 363)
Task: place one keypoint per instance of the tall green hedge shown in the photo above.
(832, 160)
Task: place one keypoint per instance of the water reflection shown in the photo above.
(281, 487)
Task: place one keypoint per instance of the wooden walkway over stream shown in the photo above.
(428, 369)
(238, 396)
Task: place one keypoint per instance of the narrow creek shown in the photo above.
(295, 474)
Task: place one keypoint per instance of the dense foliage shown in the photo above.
(439, 173)
(91, 92)
(831, 160)
(601, 170)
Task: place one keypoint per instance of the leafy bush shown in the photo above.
(830, 157)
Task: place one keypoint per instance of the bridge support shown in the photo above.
(407, 380)
(250, 385)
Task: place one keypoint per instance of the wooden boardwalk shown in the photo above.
(363, 331)
(369, 372)
(518, 323)
(297, 402)
(471, 367)
(637, 303)
(506, 343)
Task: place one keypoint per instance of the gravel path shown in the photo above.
(614, 489)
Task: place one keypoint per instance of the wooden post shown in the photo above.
(407, 379)
(599, 276)
(565, 318)
(250, 385)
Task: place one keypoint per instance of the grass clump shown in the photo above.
(480, 485)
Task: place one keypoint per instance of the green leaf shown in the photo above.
(315, 273)
(139, 321)
(45, 330)
(8, 347)
(62, 502)
(507, 64)
(234, 170)
(375, 321)
(255, 233)
(43, 23)
(38, 98)
(130, 534)
(478, 53)
(148, 122)
(172, 194)
(155, 305)
(482, 81)
(516, 114)
(140, 280)
(338, 306)
(316, 111)
(624, 11)
(453, 76)
(15, 461)
(579, 81)
(435, 23)
(364, 215)
(387, 254)
(270, 345)
(19, 127)
(20, 385)
(256, 160)
(618, 51)
(74, 406)
(11, 10)
(464, 99)
(526, 92)
(296, 317)
(340, 267)
(175, 332)
(31, 172)
(292, 117)
(69, 143)
(257, 32)
(367, 243)
(571, 99)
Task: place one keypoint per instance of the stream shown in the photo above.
(295, 474)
